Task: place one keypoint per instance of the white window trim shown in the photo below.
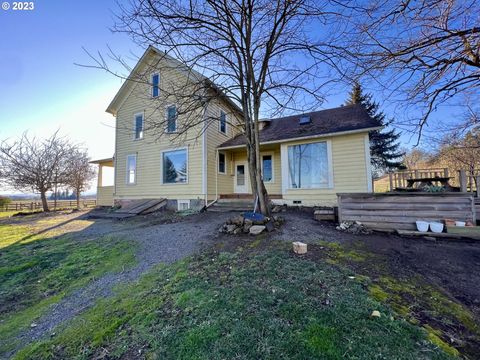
(269, 153)
(183, 202)
(166, 119)
(368, 163)
(220, 123)
(135, 125)
(218, 163)
(284, 162)
(128, 171)
(151, 88)
(161, 166)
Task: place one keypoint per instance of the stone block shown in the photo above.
(299, 247)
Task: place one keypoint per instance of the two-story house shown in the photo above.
(306, 159)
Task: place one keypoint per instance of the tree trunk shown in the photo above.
(43, 196)
(258, 187)
(78, 199)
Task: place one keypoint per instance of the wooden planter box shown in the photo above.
(399, 211)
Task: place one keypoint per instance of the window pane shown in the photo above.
(139, 127)
(175, 167)
(223, 122)
(240, 175)
(267, 167)
(221, 162)
(131, 168)
(308, 166)
(172, 119)
(155, 83)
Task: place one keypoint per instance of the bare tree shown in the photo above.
(428, 51)
(261, 54)
(80, 172)
(31, 164)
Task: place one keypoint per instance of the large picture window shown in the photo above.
(174, 167)
(308, 166)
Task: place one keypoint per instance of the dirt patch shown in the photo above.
(433, 284)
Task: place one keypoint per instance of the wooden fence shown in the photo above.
(392, 211)
(37, 205)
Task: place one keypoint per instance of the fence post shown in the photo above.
(463, 180)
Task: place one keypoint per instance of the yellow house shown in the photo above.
(196, 156)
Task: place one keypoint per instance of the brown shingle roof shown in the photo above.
(330, 121)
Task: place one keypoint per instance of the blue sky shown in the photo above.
(41, 89)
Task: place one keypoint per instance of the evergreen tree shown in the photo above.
(384, 145)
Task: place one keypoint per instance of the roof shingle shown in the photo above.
(330, 121)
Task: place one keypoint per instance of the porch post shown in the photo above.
(100, 175)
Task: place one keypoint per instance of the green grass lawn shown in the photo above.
(36, 271)
(255, 304)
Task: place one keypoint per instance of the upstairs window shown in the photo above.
(171, 119)
(155, 85)
(221, 163)
(138, 126)
(267, 168)
(223, 122)
(131, 169)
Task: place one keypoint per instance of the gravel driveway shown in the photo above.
(156, 243)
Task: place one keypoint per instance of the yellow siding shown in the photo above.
(218, 183)
(349, 172)
(149, 149)
(105, 196)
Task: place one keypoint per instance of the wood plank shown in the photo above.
(408, 212)
(419, 207)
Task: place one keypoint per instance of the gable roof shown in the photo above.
(180, 66)
(344, 119)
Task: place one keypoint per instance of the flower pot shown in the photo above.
(422, 226)
(460, 223)
(436, 227)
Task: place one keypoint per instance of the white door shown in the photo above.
(241, 178)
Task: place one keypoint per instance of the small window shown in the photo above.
(138, 126)
(131, 169)
(155, 85)
(221, 163)
(267, 168)
(223, 122)
(175, 167)
(183, 205)
(172, 119)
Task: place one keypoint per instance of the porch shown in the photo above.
(105, 181)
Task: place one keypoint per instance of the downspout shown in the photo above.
(204, 158)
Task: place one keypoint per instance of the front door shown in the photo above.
(241, 178)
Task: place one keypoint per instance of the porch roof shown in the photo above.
(336, 121)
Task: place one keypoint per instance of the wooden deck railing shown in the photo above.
(400, 179)
(469, 182)
(37, 205)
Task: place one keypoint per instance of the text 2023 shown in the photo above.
(23, 5)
